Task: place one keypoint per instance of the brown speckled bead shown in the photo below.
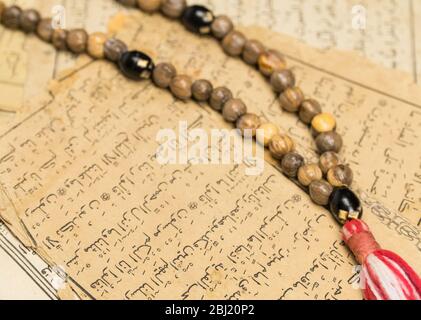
(219, 97)
(181, 87)
(221, 26)
(320, 192)
(340, 175)
(114, 48)
(308, 110)
(271, 61)
(291, 99)
(173, 8)
(249, 121)
(252, 51)
(291, 163)
(280, 145)
(233, 109)
(329, 141)
(233, 44)
(163, 74)
(323, 122)
(202, 90)
(77, 40)
(149, 5)
(29, 20)
(266, 132)
(282, 80)
(328, 160)
(309, 173)
(59, 39)
(11, 17)
(45, 30)
(128, 3)
(96, 43)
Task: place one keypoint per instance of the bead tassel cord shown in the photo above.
(384, 274)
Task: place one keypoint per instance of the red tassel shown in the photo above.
(384, 274)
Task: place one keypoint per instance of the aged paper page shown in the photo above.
(81, 185)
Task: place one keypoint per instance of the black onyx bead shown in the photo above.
(136, 65)
(198, 19)
(345, 205)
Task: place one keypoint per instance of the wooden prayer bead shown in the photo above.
(59, 39)
(163, 74)
(340, 175)
(114, 49)
(252, 51)
(181, 87)
(309, 173)
(11, 17)
(291, 99)
(329, 141)
(219, 97)
(248, 123)
(173, 8)
(234, 43)
(290, 164)
(202, 90)
(149, 5)
(77, 40)
(323, 122)
(45, 30)
(266, 132)
(271, 61)
(96, 43)
(221, 26)
(282, 80)
(29, 20)
(280, 145)
(328, 160)
(320, 192)
(233, 109)
(308, 110)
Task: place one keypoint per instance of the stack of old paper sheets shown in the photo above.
(97, 217)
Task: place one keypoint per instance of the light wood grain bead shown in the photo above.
(253, 49)
(96, 42)
(77, 40)
(149, 5)
(11, 17)
(280, 145)
(329, 141)
(233, 109)
(309, 109)
(266, 132)
(59, 39)
(202, 90)
(309, 173)
(29, 20)
(320, 192)
(328, 160)
(114, 49)
(233, 44)
(271, 61)
(219, 97)
(45, 30)
(282, 80)
(173, 8)
(248, 123)
(291, 99)
(340, 175)
(163, 74)
(291, 163)
(181, 87)
(323, 122)
(221, 27)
